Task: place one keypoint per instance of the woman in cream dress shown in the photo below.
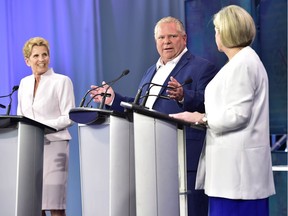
(47, 97)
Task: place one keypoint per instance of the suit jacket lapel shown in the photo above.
(182, 62)
(148, 79)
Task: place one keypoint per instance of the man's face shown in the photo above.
(169, 42)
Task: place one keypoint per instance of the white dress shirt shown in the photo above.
(160, 76)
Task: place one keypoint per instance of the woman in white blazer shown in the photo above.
(235, 166)
(47, 97)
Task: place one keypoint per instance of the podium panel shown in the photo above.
(130, 168)
(182, 173)
(156, 167)
(21, 166)
(107, 168)
(122, 168)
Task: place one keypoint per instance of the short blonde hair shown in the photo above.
(169, 19)
(235, 25)
(36, 41)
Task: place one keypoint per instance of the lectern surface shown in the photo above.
(86, 115)
(12, 121)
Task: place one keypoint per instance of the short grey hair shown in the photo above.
(169, 19)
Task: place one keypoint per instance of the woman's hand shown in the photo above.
(192, 117)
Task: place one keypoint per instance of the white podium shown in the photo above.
(156, 167)
(160, 163)
(21, 165)
(106, 162)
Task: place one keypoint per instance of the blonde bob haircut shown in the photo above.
(235, 25)
(36, 41)
(169, 19)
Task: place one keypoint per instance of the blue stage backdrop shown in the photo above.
(95, 40)
(90, 41)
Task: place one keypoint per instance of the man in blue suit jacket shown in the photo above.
(175, 65)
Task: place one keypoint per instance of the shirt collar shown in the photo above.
(173, 61)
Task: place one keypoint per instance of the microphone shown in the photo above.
(146, 95)
(139, 92)
(124, 73)
(84, 97)
(101, 94)
(15, 88)
(137, 97)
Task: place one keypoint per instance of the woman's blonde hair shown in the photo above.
(235, 25)
(36, 41)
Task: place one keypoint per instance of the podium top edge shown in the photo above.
(102, 111)
(88, 109)
(156, 114)
(9, 120)
(86, 115)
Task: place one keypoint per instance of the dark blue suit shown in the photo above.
(201, 71)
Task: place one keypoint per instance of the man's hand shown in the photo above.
(176, 90)
(96, 94)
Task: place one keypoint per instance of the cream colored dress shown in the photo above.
(50, 106)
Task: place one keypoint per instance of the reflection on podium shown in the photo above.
(21, 165)
(106, 162)
(132, 164)
(160, 162)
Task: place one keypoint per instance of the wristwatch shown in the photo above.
(205, 120)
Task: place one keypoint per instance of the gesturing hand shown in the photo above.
(96, 93)
(176, 90)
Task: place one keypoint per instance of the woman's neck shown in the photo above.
(231, 52)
